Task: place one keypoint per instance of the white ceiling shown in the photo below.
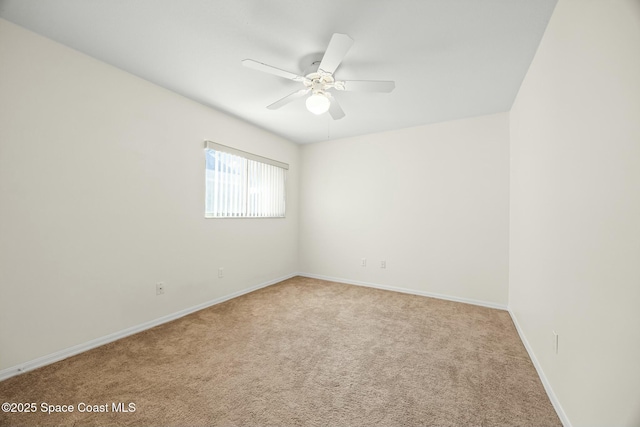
(450, 59)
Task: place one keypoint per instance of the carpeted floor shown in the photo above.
(303, 352)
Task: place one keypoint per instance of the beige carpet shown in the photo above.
(303, 352)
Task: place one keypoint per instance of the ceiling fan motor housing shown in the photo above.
(319, 82)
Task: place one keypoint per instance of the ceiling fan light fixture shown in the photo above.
(318, 103)
(318, 80)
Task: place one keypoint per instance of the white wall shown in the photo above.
(432, 201)
(102, 196)
(575, 209)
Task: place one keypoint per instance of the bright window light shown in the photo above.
(243, 185)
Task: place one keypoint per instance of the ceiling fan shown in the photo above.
(320, 81)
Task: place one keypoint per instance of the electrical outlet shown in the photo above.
(383, 264)
(220, 272)
(363, 262)
(159, 288)
(555, 341)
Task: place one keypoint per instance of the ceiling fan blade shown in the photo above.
(335, 110)
(338, 47)
(250, 63)
(368, 86)
(287, 99)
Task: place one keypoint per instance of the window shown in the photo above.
(243, 185)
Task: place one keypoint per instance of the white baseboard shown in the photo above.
(406, 291)
(80, 348)
(547, 386)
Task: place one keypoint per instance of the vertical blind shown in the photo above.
(240, 185)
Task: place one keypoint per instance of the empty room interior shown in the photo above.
(337, 213)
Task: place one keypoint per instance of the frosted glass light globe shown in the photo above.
(318, 103)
